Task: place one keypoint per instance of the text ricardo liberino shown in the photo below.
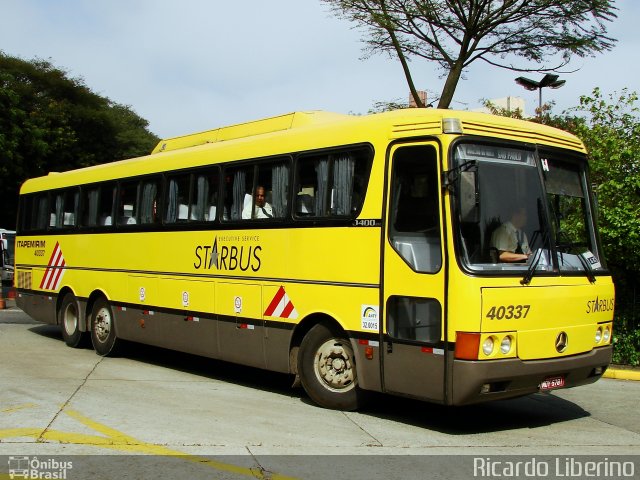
(559, 467)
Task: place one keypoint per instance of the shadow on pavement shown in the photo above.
(532, 411)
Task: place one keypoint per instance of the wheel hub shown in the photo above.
(103, 324)
(334, 365)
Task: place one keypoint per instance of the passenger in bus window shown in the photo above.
(508, 242)
(261, 208)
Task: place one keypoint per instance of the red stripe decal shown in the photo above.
(287, 310)
(55, 250)
(55, 278)
(274, 303)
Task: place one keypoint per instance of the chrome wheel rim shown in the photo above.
(103, 324)
(334, 366)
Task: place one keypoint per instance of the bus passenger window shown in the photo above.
(71, 203)
(63, 209)
(149, 197)
(204, 200)
(177, 200)
(238, 185)
(273, 186)
(332, 184)
(105, 204)
(257, 192)
(36, 212)
(90, 199)
(127, 203)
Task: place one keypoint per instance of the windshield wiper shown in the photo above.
(526, 280)
(574, 250)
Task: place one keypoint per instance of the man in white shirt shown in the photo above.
(510, 241)
(261, 208)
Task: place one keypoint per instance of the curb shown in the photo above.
(622, 374)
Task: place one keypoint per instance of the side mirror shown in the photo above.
(468, 197)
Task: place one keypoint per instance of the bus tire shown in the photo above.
(69, 320)
(327, 369)
(103, 332)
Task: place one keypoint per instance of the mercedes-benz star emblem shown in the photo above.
(562, 340)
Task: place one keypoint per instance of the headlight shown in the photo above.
(598, 335)
(607, 334)
(505, 345)
(487, 346)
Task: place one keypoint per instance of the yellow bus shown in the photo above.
(359, 253)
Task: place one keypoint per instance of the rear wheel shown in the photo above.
(103, 332)
(69, 320)
(327, 369)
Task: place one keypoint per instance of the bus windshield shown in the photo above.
(531, 211)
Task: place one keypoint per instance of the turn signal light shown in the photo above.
(467, 345)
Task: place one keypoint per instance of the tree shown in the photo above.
(50, 122)
(610, 129)
(456, 33)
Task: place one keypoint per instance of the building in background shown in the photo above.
(508, 103)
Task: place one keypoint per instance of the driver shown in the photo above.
(510, 241)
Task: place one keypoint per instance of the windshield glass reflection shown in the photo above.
(515, 225)
(570, 219)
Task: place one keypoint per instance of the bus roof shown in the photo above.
(265, 137)
(248, 129)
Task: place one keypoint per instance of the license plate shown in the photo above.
(552, 382)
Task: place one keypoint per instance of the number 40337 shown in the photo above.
(508, 312)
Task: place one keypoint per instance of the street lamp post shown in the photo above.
(548, 80)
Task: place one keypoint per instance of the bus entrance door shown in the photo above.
(413, 290)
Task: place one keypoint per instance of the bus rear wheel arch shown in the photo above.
(103, 331)
(326, 365)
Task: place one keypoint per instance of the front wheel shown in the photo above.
(327, 369)
(103, 332)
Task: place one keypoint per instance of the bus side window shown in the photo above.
(35, 212)
(238, 183)
(274, 179)
(177, 198)
(149, 196)
(55, 210)
(105, 204)
(412, 318)
(71, 204)
(90, 199)
(332, 184)
(127, 203)
(204, 199)
(414, 208)
(63, 208)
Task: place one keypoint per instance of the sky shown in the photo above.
(194, 65)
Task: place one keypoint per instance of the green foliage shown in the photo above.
(387, 106)
(50, 122)
(626, 347)
(610, 129)
(503, 112)
(611, 132)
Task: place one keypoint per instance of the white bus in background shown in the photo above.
(7, 252)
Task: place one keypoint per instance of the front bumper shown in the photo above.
(510, 378)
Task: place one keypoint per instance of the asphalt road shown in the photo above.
(201, 418)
